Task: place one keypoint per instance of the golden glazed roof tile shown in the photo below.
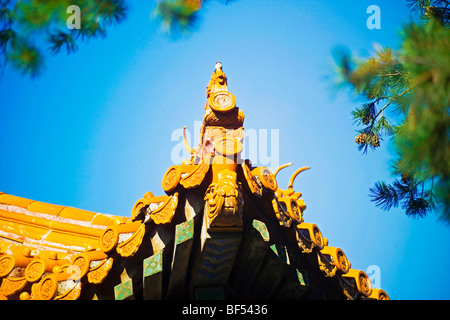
(14, 200)
(46, 249)
(42, 207)
(48, 245)
(40, 224)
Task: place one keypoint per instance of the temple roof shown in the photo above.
(51, 227)
(223, 229)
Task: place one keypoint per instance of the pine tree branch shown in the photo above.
(384, 195)
(387, 105)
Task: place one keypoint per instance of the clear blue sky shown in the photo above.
(94, 130)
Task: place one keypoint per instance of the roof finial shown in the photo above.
(218, 80)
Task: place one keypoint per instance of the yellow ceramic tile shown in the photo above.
(103, 220)
(21, 218)
(43, 207)
(19, 232)
(77, 243)
(77, 214)
(74, 229)
(14, 200)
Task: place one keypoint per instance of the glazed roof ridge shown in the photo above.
(51, 217)
(55, 240)
(46, 225)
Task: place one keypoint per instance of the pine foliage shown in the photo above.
(408, 93)
(28, 26)
(180, 16)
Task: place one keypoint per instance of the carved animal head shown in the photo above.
(224, 201)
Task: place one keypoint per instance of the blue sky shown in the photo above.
(94, 130)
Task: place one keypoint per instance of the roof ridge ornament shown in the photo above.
(223, 120)
(219, 98)
(218, 81)
(51, 252)
(294, 175)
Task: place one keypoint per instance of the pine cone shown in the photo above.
(376, 141)
(405, 178)
(429, 11)
(361, 138)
